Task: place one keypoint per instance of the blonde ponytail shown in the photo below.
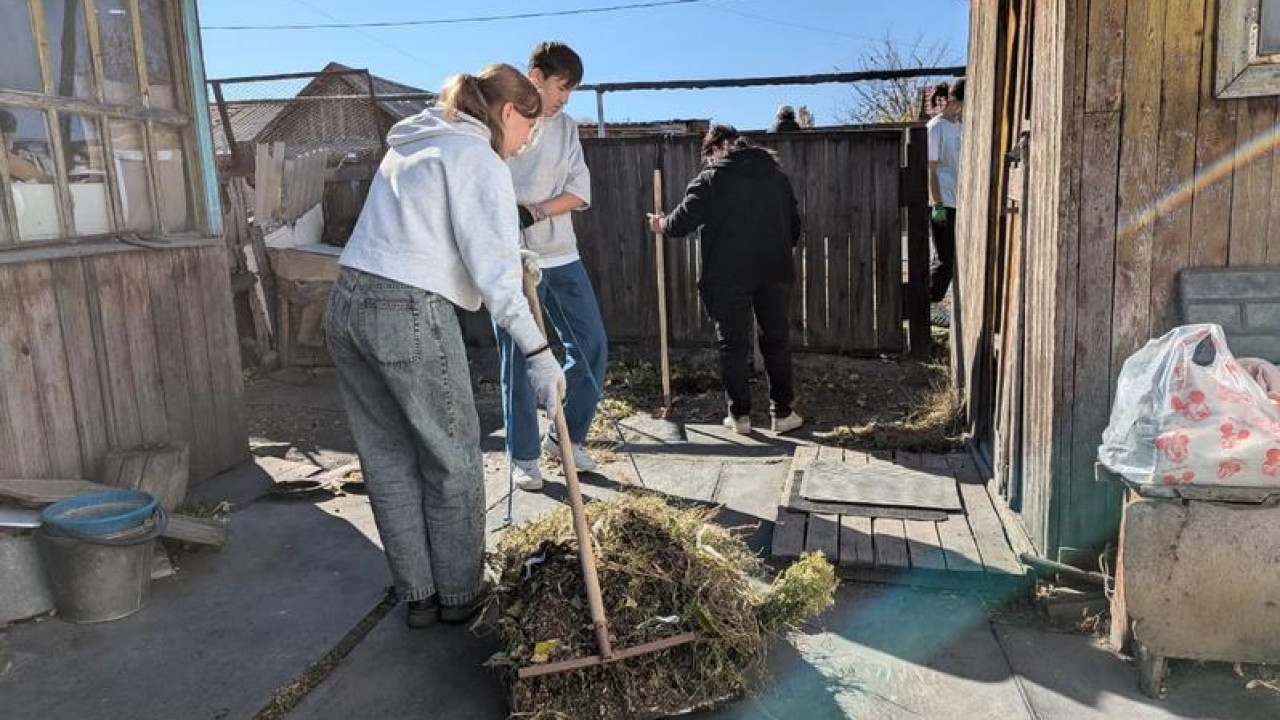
(482, 96)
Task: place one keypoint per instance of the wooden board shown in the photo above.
(824, 536)
(890, 540)
(788, 534)
(923, 545)
(30, 454)
(161, 470)
(856, 549)
(36, 493)
(958, 547)
(196, 530)
(48, 357)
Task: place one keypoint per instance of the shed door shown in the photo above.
(1006, 296)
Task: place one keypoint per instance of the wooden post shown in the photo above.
(915, 198)
(600, 114)
(660, 262)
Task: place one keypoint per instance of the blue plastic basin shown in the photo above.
(99, 514)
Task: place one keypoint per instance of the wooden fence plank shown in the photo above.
(848, 254)
(39, 302)
(887, 266)
(916, 301)
(815, 256)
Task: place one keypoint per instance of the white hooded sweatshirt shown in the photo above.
(441, 216)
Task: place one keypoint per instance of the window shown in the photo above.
(1248, 48)
(95, 135)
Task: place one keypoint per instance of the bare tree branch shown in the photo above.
(898, 100)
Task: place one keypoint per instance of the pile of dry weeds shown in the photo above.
(663, 571)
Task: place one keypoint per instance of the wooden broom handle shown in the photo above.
(586, 546)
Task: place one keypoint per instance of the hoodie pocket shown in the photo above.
(392, 330)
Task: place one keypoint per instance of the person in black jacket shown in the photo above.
(746, 209)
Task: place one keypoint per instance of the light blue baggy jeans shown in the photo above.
(402, 369)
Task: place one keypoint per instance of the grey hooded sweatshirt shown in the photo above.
(441, 216)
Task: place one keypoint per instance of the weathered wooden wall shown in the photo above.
(115, 349)
(1138, 172)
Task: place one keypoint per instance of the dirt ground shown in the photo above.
(863, 403)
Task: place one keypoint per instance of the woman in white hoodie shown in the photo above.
(439, 229)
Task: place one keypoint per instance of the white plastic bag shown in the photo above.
(1175, 421)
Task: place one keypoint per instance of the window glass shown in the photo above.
(129, 158)
(119, 64)
(172, 178)
(68, 47)
(158, 46)
(20, 69)
(31, 173)
(86, 174)
(1269, 33)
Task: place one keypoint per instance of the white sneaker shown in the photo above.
(787, 423)
(526, 475)
(581, 460)
(740, 425)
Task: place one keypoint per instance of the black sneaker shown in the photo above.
(464, 612)
(422, 613)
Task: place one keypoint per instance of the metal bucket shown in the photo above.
(97, 579)
(24, 592)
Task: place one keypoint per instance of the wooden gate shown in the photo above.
(855, 189)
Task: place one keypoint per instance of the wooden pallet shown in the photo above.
(966, 550)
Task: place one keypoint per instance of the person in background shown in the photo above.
(551, 182)
(745, 206)
(21, 167)
(945, 134)
(439, 229)
(785, 120)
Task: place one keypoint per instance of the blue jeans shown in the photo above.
(570, 304)
(402, 369)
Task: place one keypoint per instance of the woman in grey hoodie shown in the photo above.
(439, 229)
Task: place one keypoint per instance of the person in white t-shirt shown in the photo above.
(945, 132)
(552, 182)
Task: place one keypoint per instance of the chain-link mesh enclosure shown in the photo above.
(341, 112)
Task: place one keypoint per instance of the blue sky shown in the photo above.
(715, 38)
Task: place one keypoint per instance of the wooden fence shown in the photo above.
(860, 192)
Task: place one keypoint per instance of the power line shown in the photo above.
(454, 21)
(368, 35)
(790, 24)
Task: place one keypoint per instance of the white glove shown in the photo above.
(547, 378)
(530, 260)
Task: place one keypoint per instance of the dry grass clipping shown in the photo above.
(936, 425)
(663, 571)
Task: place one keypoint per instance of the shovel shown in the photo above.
(664, 430)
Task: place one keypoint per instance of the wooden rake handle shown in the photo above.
(586, 546)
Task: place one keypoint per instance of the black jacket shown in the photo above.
(747, 211)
